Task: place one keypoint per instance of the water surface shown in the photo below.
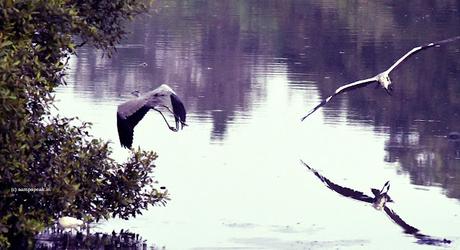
(247, 72)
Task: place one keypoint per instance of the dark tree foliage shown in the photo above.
(52, 166)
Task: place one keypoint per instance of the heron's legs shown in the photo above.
(167, 123)
(183, 123)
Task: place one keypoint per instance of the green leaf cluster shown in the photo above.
(51, 166)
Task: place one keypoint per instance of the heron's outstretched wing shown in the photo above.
(342, 89)
(126, 124)
(418, 49)
(347, 192)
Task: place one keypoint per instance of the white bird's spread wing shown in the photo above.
(419, 48)
(411, 52)
(342, 89)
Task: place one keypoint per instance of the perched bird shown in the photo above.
(379, 201)
(382, 79)
(131, 112)
(67, 222)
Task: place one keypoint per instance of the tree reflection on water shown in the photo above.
(217, 49)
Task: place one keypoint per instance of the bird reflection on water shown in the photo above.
(379, 201)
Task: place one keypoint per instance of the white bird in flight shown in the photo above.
(383, 78)
(131, 112)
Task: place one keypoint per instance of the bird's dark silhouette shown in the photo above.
(380, 196)
(131, 112)
(379, 201)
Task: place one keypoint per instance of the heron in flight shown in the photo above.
(382, 79)
(379, 201)
(131, 112)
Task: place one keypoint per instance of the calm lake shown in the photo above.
(247, 71)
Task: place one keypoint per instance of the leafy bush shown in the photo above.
(51, 166)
